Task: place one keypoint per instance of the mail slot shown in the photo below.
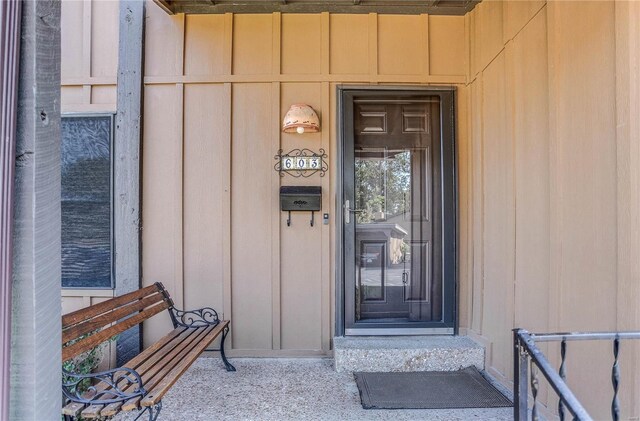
(300, 198)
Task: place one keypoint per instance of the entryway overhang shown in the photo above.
(433, 7)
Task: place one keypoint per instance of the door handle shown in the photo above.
(348, 211)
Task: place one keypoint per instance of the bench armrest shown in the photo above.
(107, 387)
(201, 317)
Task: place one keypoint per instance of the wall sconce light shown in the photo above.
(301, 118)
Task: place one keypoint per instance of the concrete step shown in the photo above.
(406, 353)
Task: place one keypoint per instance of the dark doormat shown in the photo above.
(465, 388)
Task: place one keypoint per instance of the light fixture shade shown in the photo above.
(301, 116)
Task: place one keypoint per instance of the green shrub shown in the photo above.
(84, 363)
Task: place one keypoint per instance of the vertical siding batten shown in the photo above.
(326, 252)
(178, 198)
(180, 44)
(276, 294)
(478, 203)
(86, 48)
(463, 263)
(373, 46)
(425, 40)
(227, 57)
(325, 46)
(276, 280)
(226, 220)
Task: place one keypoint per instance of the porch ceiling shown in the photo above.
(434, 7)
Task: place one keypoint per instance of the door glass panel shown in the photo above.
(372, 270)
(396, 279)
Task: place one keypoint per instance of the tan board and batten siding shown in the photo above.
(212, 225)
(554, 203)
(548, 165)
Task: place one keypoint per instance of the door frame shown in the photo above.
(449, 182)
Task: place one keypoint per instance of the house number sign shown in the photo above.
(301, 162)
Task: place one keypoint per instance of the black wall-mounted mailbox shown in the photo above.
(300, 198)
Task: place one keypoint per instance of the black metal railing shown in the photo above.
(528, 359)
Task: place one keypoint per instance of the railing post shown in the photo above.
(562, 371)
(516, 375)
(520, 380)
(615, 381)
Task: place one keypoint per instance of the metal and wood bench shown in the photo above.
(143, 381)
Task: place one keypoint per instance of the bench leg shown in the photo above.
(226, 362)
(154, 411)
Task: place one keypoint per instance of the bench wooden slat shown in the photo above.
(111, 409)
(156, 347)
(156, 371)
(150, 364)
(72, 409)
(105, 319)
(169, 341)
(81, 315)
(92, 412)
(168, 379)
(148, 360)
(99, 337)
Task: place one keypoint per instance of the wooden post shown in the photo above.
(36, 308)
(128, 135)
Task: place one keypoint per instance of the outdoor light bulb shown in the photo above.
(300, 129)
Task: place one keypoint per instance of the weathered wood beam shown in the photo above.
(128, 138)
(36, 309)
(336, 6)
(165, 5)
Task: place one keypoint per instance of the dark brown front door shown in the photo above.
(394, 213)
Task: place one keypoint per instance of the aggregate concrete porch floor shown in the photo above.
(285, 389)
